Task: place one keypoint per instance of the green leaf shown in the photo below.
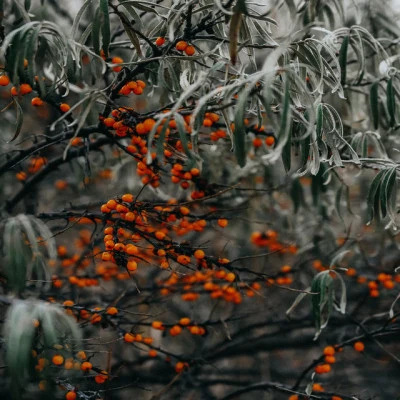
(287, 152)
(343, 59)
(234, 29)
(372, 195)
(322, 302)
(239, 135)
(97, 23)
(105, 28)
(19, 120)
(373, 100)
(391, 102)
(387, 188)
(320, 121)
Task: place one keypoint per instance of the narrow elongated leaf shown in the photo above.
(372, 194)
(234, 29)
(343, 59)
(19, 120)
(373, 100)
(239, 135)
(105, 28)
(323, 301)
(391, 102)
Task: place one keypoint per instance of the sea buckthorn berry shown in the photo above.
(149, 124)
(199, 254)
(131, 266)
(181, 45)
(207, 122)
(4, 80)
(117, 60)
(184, 321)
(125, 91)
(141, 129)
(57, 359)
(359, 346)
(25, 88)
(329, 351)
(257, 142)
(141, 83)
(336, 398)
(37, 102)
(175, 330)
(138, 90)
(179, 367)
(14, 91)
(293, 397)
(70, 395)
(112, 311)
(158, 325)
(21, 176)
(81, 355)
(86, 366)
(132, 85)
(152, 353)
(160, 41)
(330, 359)
(101, 378)
(160, 235)
(230, 277)
(129, 337)
(64, 107)
(109, 122)
(190, 50)
(182, 259)
(68, 303)
(269, 140)
(222, 223)
(317, 387)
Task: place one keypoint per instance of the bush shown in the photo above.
(199, 200)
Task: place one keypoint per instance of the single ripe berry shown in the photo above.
(160, 41)
(190, 50)
(4, 80)
(181, 45)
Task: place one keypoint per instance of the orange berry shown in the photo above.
(109, 122)
(222, 223)
(141, 83)
(129, 337)
(138, 91)
(199, 254)
(101, 378)
(152, 353)
(359, 346)
(175, 330)
(141, 129)
(190, 50)
(117, 60)
(25, 88)
(270, 140)
(4, 80)
(158, 325)
(181, 45)
(160, 41)
(149, 124)
(330, 359)
(131, 266)
(64, 107)
(37, 102)
(329, 351)
(112, 311)
(57, 359)
(70, 395)
(184, 321)
(86, 366)
(14, 91)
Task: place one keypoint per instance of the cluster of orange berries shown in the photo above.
(135, 87)
(387, 281)
(186, 47)
(209, 281)
(177, 329)
(179, 175)
(269, 239)
(35, 164)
